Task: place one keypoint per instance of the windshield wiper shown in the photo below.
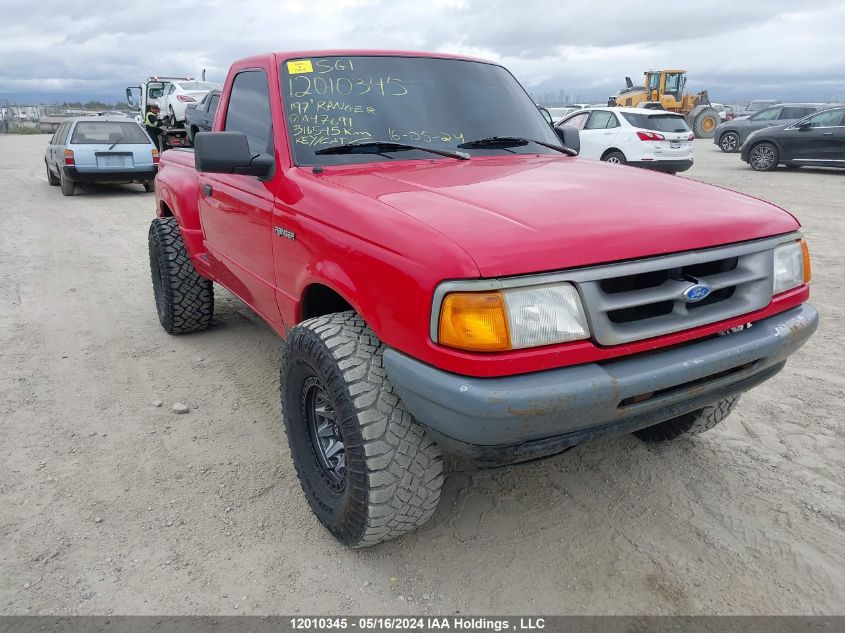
(379, 147)
(115, 143)
(504, 142)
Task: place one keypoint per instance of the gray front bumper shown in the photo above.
(580, 402)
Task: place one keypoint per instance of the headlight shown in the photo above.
(791, 266)
(514, 318)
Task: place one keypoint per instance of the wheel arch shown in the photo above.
(319, 299)
(610, 150)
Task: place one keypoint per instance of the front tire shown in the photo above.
(763, 157)
(369, 472)
(614, 158)
(184, 299)
(690, 424)
(705, 122)
(729, 142)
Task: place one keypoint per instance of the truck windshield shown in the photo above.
(436, 103)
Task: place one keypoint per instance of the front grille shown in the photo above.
(643, 299)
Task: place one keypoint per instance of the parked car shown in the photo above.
(721, 110)
(100, 150)
(755, 106)
(200, 116)
(180, 93)
(817, 140)
(559, 113)
(451, 282)
(654, 139)
(730, 136)
(732, 112)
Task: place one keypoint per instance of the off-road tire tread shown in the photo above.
(403, 465)
(689, 424)
(188, 297)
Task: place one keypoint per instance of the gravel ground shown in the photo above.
(111, 504)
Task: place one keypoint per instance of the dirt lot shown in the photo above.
(109, 504)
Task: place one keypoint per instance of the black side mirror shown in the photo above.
(546, 115)
(569, 136)
(229, 153)
(129, 99)
(804, 125)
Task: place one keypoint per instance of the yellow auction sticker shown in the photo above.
(300, 66)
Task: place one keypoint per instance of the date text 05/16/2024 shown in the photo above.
(406, 623)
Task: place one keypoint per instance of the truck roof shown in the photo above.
(284, 55)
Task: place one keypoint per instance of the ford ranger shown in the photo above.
(449, 277)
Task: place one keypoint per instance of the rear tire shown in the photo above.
(54, 182)
(67, 185)
(615, 158)
(149, 187)
(729, 142)
(690, 424)
(763, 157)
(369, 472)
(184, 299)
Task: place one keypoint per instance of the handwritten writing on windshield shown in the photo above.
(306, 85)
(331, 102)
(423, 136)
(318, 114)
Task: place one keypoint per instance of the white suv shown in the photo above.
(654, 139)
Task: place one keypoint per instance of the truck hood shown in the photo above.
(524, 214)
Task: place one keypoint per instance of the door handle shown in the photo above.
(827, 133)
(207, 190)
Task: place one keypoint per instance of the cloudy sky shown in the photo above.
(790, 49)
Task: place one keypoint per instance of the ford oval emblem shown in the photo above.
(696, 293)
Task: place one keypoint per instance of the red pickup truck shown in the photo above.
(448, 276)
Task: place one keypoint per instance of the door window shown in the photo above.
(673, 85)
(576, 121)
(830, 118)
(600, 120)
(795, 112)
(55, 138)
(61, 134)
(769, 114)
(249, 110)
(212, 104)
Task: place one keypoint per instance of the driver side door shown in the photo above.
(237, 210)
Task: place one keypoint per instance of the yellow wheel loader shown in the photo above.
(664, 90)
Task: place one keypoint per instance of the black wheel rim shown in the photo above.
(324, 429)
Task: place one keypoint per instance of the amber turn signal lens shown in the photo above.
(808, 273)
(474, 321)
